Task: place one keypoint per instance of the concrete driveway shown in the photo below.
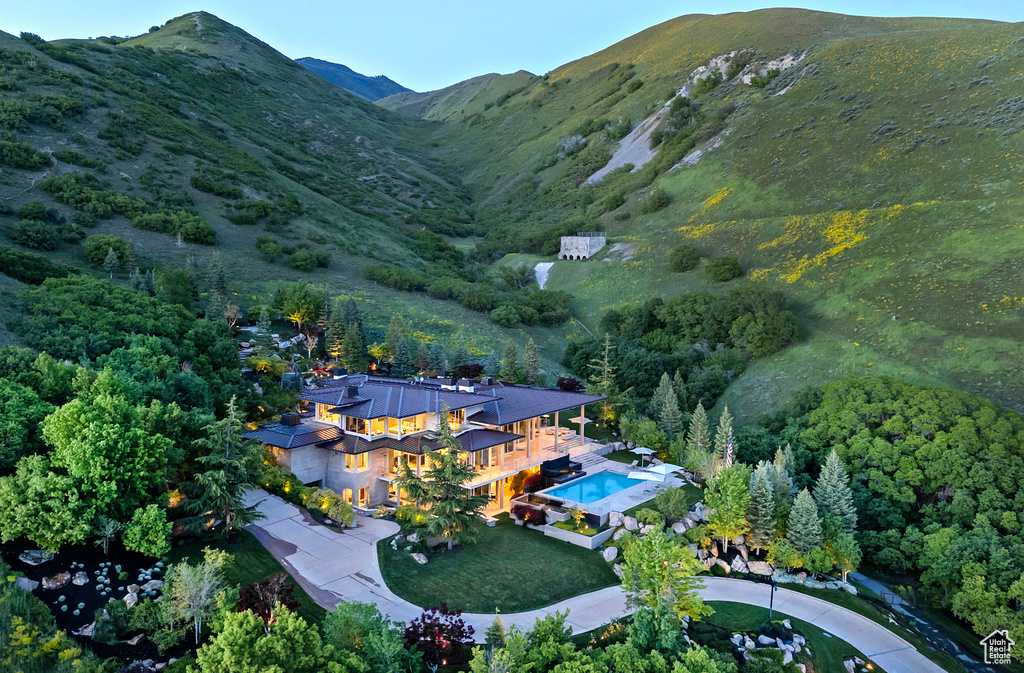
(334, 567)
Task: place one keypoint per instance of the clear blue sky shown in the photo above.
(429, 44)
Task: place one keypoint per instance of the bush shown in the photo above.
(673, 503)
(148, 531)
(307, 260)
(35, 234)
(393, 277)
(613, 202)
(97, 245)
(33, 210)
(536, 517)
(505, 315)
(654, 201)
(570, 384)
(410, 516)
(268, 249)
(30, 268)
(722, 269)
(650, 517)
(684, 257)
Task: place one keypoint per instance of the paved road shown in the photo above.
(334, 567)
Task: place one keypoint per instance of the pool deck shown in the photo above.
(624, 499)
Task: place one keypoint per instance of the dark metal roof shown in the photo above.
(471, 440)
(294, 436)
(513, 403)
(396, 398)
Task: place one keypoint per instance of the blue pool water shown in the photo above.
(593, 487)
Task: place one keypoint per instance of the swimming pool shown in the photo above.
(593, 487)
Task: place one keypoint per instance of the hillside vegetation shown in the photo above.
(876, 182)
(370, 88)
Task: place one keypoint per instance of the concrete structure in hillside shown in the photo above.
(581, 246)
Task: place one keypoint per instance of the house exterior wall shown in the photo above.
(339, 478)
(308, 463)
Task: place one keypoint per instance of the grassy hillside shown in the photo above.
(364, 86)
(877, 182)
(199, 117)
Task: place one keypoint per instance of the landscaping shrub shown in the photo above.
(650, 517)
(410, 516)
(536, 517)
(684, 257)
(654, 201)
(722, 269)
(673, 503)
(570, 384)
(332, 505)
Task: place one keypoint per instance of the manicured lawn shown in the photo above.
(252, 563)
(827, 653)
(694, 494)
(571, 527)
(510, 568)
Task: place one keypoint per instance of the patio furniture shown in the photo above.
(557, 468)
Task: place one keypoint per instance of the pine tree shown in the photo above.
(138, 282)
(510, 364)
(761, 513)
(660, 396)
(491, 364)
(352, 314)
(336, 332)
(216, 305)
(215, 275)
(725, 443)
(698, 445)
(460, 356)
(679, 384)
(401, 364)
(531, 362)
(264, 339)
(804, 526)
(422, 362)
(192, 269)
(354, 352)
(111, 263)
(131, 259)
(395, 333)
(151, 284)
(833, 494)
(323, 320)
(782, 486)
(453, 511)
(602, 382)
(436, 357)
(665, 407)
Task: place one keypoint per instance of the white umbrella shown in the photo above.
(580, 419)
(643, 451)
(663, 469)
(645, 476)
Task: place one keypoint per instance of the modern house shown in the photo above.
(360, 426)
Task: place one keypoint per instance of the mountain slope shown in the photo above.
(876, 183)
(450, 103)
(368, 88)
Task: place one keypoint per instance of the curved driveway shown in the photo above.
(334, 567)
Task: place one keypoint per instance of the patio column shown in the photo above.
(529, 437)
(501, 456)
(582, 409)
(556, 432)
(501, 493)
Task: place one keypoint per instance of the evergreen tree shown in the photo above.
(131, 259)
(491, 364)
(453, 512)
(231, 465)
(216, 305)
(660, 396)
(138, 282)
(531, 362)
(665, 407)
(833, 495)
(422, 361)
(264, 339)
(192, 269)
(679, 384)
(111, 263)
(460, 356)
(336, 332)
(510, 364)
(725, 444)
(215, 275)
(698, 445)
(352, 314)
(324, 319)
(401, 364)
(761, 513)
(603, 382)
(782, 486)
(353, 354)
(395, 333)
(804, 526)
(151, 284)
(436, 358)
(411, 485)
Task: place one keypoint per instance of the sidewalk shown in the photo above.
(334, 567)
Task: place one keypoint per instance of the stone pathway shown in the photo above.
(334, 567)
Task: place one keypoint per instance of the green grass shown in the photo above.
(510, 568)
(827, 654)
(252, 563)
(586, 530)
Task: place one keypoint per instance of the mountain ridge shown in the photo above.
(371, 88)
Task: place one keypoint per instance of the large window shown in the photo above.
(377, 427)
(323, 415)
(363, 497)
(393, 426)
(357, 462)
(456, 419)
(395, 460)
(414, 424)
(356, 425)
(347, 495)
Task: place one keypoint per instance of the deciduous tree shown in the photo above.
(658, 568)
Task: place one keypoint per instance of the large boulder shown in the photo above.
(738, 565)
(58, 581)
(765, 641)
(759, 568)
(619, 533)
(738, 540)
(723, 565)
(86, 631)
(798, 639)
(34, 557)
(742, 549)
(131, 600)
(787, 657)
(749, 643)
(679, 528)
(413, 538)
(135, 640)
(420, 558)
(152, 585)
(610, 554)
(26, 584)
(644, 530)
(688, 522)
(615, 519)
(630, 523)
(617, 569)
(133, 588)
(699, 512)
(81, 577)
